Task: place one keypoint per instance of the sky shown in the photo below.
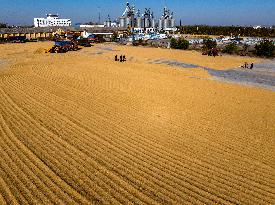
(210, 12)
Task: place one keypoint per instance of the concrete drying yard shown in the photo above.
(80, 128)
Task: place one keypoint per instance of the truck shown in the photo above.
(83, 42)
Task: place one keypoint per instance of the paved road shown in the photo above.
(262, 75)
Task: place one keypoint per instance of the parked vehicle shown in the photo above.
(83, 42)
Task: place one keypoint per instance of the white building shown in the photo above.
(51, 20)
(92, 26)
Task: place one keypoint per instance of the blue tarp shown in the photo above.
(63, 43)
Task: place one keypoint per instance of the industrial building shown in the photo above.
(132, 19)
(52, 20)
(144, 23)
(167, 21)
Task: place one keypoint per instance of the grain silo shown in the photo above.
(139, 22)
(122, 22)
(108, 22)
(167, 21)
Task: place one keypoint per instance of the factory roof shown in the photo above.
(54, 29)
(34, 30)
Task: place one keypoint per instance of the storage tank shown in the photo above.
(122, 22)
(139, 22)
(153, 23)
(160, 24)
(146, 23)
(166, 24)
(128, 22)
(108, 24)
(173, 23)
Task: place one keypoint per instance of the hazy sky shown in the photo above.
(212, 12)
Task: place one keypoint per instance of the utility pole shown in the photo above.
(99, 17)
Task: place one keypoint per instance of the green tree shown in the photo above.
(208, 44)
(244, 51)
(180, 43)
(174, 43)
(231, 48)
(227, 31)
(114, 37)
(183, 44)
(266, 49)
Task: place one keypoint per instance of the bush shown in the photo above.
(209, 44)
(180, 43)
(265, 49)
(174, 43)
(245, 49)
(140, 42)
(231, 48)
(115, 37)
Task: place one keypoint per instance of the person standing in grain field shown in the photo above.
(251, 66)
(245, 65)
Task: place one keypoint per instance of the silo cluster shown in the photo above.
(167, 21)
(132, 19)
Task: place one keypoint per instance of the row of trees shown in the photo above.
(227, 31)
(265, 49)
(3, 25)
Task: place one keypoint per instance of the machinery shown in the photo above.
(63, 47)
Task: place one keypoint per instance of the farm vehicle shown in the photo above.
(63, 47)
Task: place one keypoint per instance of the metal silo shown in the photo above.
(139, 22)
(127, 22)
(146, 22)
(166, 24)
(160, 24)
(108, 24)
(122, 22)
(153, 23)
(172, 23)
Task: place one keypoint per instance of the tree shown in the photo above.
(227, 31)
(3, 25)
(266, 48)
(114, 37)
(231, 48)
(180, 43)
(174, 43)
(244, 51)
(208, 44)
(183, 44)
